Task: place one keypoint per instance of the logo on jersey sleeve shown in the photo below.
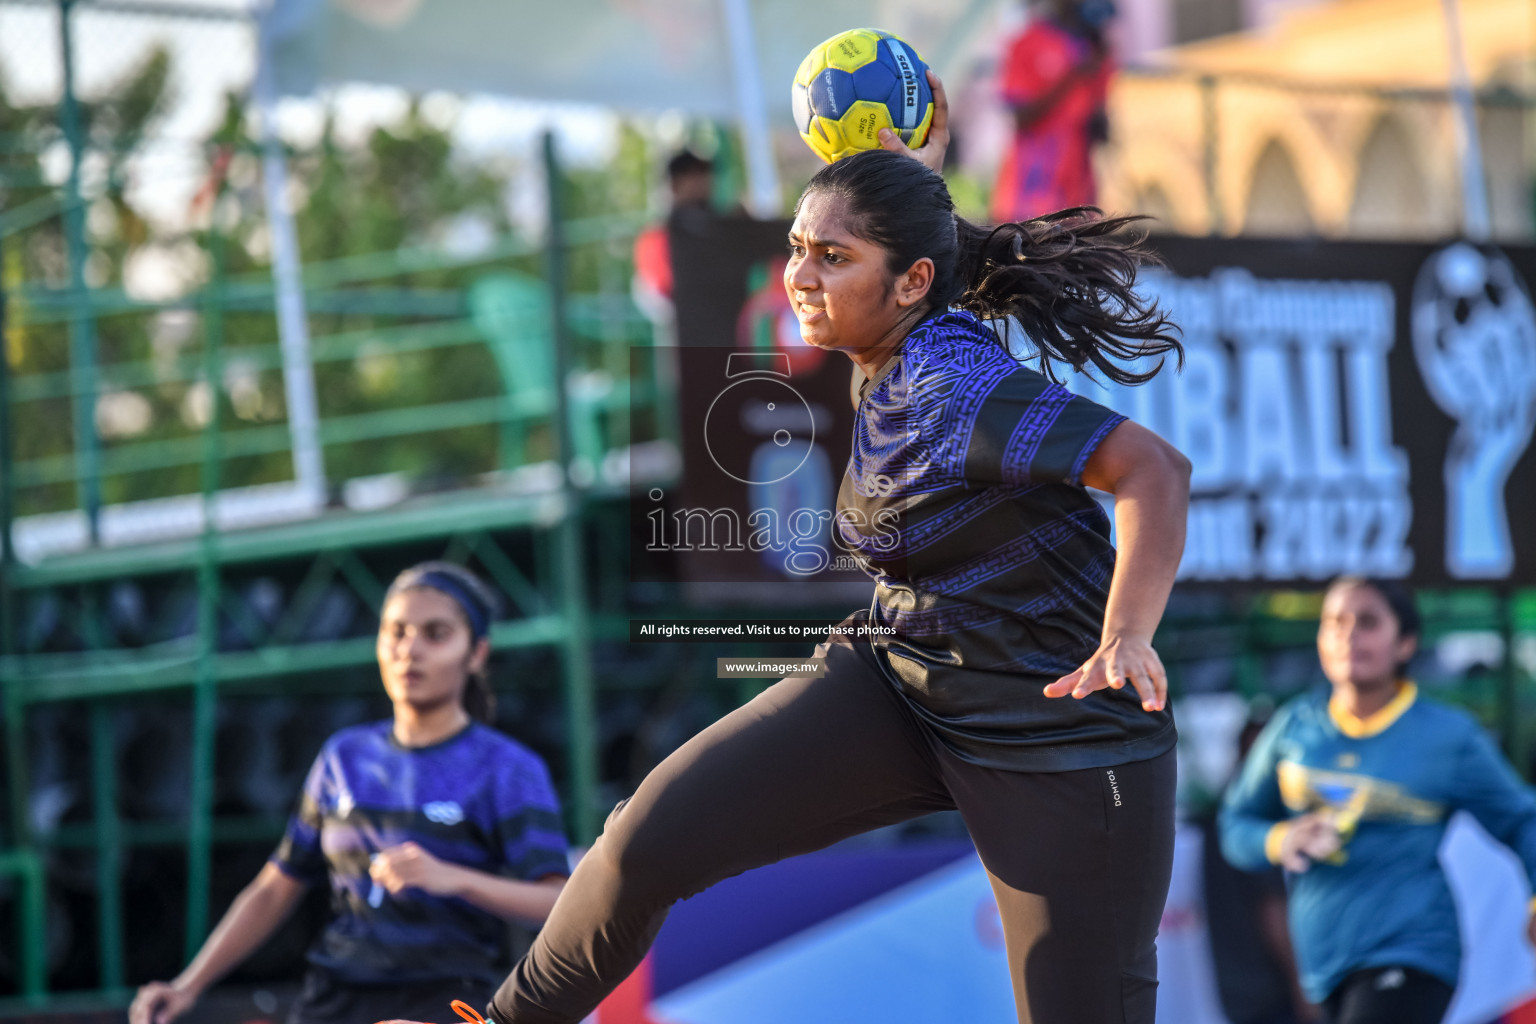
(443, 812)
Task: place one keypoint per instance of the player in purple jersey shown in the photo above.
(965, 501)
(431, 829)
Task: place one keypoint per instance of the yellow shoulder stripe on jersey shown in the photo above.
(1359, 728)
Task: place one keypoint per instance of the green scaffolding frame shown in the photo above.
(553, 607)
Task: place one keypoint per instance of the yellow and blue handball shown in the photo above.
(856, 83)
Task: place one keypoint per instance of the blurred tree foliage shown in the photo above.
(403, 189)
(36, 257)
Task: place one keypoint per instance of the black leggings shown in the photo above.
(326, 999)
(1388, 995)
(1079, 860)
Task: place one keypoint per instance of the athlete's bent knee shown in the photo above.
(642, 863)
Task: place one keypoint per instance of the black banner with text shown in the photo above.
(1348, 407)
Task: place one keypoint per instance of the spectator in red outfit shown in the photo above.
(1055, 78)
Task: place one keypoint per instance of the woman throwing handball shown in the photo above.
(1350, 790)
(964, 497)
(417, 822)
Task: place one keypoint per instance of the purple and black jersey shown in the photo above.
(478, 798)
(992, 564)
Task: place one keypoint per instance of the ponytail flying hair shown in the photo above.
(1068, 277)
(479, 604)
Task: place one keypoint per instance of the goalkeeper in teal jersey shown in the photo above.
(1350, 793)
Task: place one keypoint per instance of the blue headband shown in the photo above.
(479, 619)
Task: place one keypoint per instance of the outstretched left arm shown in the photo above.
(1150, 481)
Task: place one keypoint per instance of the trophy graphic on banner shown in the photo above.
(1474, 336)
(788, 475)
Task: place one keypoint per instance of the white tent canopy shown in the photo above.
(626, 54)
(730, 59)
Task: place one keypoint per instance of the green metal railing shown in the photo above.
(25, 868)
(588, 319)
(536, 335)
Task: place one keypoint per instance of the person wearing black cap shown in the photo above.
(431, 828)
